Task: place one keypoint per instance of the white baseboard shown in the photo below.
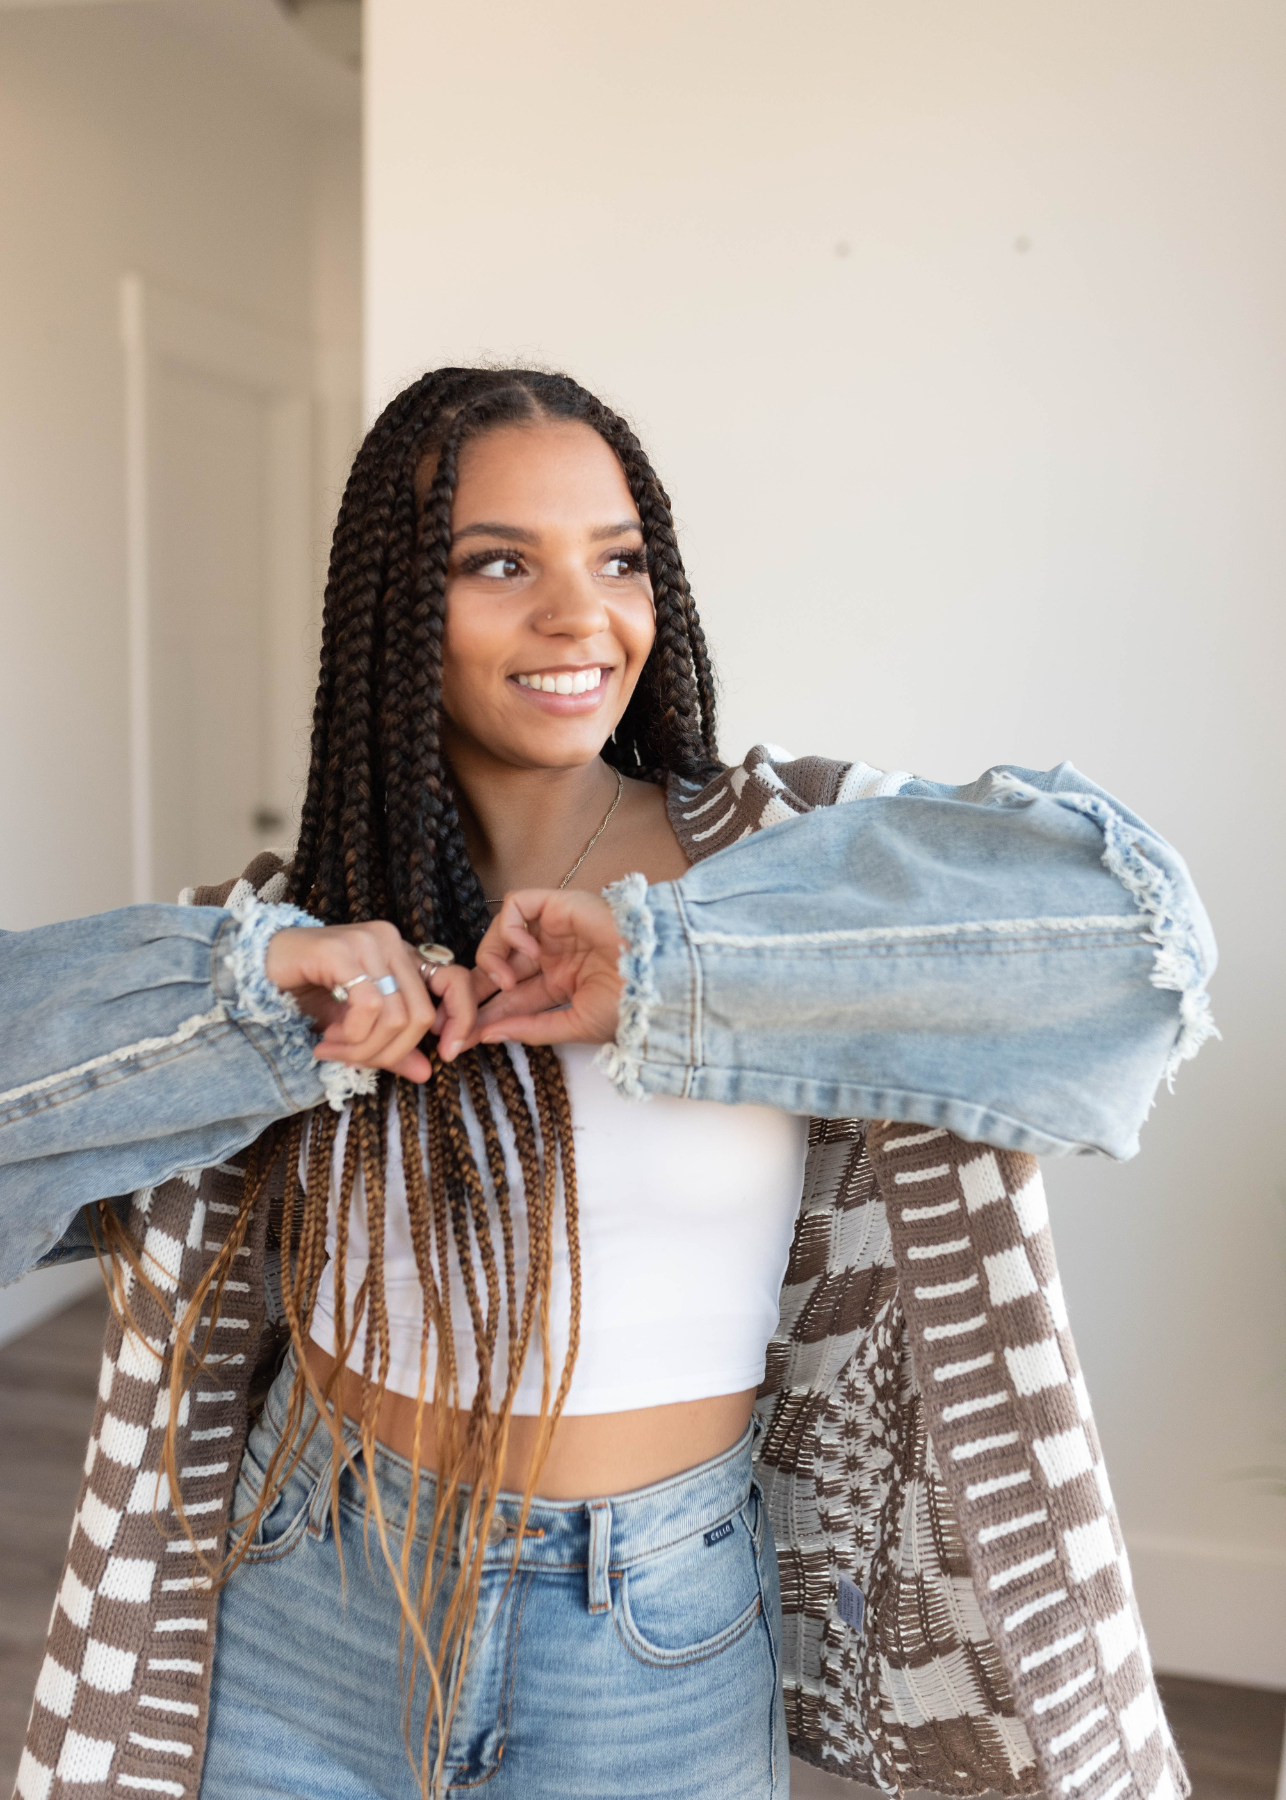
(42, 1293)
(1211, 1611)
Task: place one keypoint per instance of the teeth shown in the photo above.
(583, 682)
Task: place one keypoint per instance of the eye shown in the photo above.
(494, 565)
(625, 562)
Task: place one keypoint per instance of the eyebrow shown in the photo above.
(514, 534)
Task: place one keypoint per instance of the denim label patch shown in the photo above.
(852, 1603)
(719, 1533)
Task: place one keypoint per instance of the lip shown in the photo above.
(563, 705)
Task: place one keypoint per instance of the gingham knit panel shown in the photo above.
(120, 1705)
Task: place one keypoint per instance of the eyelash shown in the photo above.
(635, 560)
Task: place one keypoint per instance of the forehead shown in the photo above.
(554, 472)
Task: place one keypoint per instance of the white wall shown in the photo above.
(200, 147)
(121, 152)
(336, 233)
(957, 334)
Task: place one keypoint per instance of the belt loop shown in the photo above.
(600, 1555)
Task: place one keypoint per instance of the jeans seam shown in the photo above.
(653, 1656)
(505, 1711)
(774, 1648)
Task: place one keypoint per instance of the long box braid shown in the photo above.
(380, 837)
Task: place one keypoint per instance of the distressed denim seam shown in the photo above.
(1050, 927)
(696, 997)
(818, 1098)
(1088, 945)
(622, 1060)
(58, 1084)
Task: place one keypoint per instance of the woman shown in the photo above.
(575, 1588)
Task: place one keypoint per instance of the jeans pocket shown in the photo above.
(695, 1599)
(284, 1519)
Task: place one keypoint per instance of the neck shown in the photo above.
(526, 827)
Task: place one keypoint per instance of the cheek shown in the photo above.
(636, 630)
(471, 649)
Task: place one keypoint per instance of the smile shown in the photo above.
(581, 681)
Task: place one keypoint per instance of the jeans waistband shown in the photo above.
(602, 1535)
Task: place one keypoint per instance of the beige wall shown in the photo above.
(178, 144)
(128, 142)
(957, 334)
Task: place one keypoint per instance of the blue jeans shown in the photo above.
(635, 1651)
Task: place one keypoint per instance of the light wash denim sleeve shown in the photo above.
(1020, 961)
(138, 1043)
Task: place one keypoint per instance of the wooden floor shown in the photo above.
(1231, 1737)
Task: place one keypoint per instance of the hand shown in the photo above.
(369, 1029)
(546, 949)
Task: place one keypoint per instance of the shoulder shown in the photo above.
(263, 878)
(768, 787)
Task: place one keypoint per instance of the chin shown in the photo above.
(552, 754)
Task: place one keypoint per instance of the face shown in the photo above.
(549, 614)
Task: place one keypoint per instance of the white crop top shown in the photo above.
(687, 1208)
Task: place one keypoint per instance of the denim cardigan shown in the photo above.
(957, 1601)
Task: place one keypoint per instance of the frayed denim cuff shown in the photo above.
(655, 1016)
(252, 1000)
(1181, 963)
(622, 1060)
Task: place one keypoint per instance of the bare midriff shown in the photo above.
(593, 1455)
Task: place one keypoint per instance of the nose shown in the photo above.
(569, 604)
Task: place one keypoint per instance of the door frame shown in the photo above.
(160, 330)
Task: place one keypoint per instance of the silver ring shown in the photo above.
(340, 993)
(387, 984)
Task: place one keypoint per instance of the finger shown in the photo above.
(529, 997)
(513, 925)
(504, 966)
(367, 1033)
(454, 992)
(374, 1029)
(389, 1038)
(361, 1007)
(560, 1027)
(415, 1066)
(455, 1017)
(379, 1029)
(478, 983)
(417, 1007)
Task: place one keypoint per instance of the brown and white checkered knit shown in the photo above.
(928, 1439)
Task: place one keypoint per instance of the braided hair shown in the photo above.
(380, 837)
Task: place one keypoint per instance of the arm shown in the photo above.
(1020, 960)
(141, 1042)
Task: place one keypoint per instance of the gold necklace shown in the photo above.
(607, 819)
